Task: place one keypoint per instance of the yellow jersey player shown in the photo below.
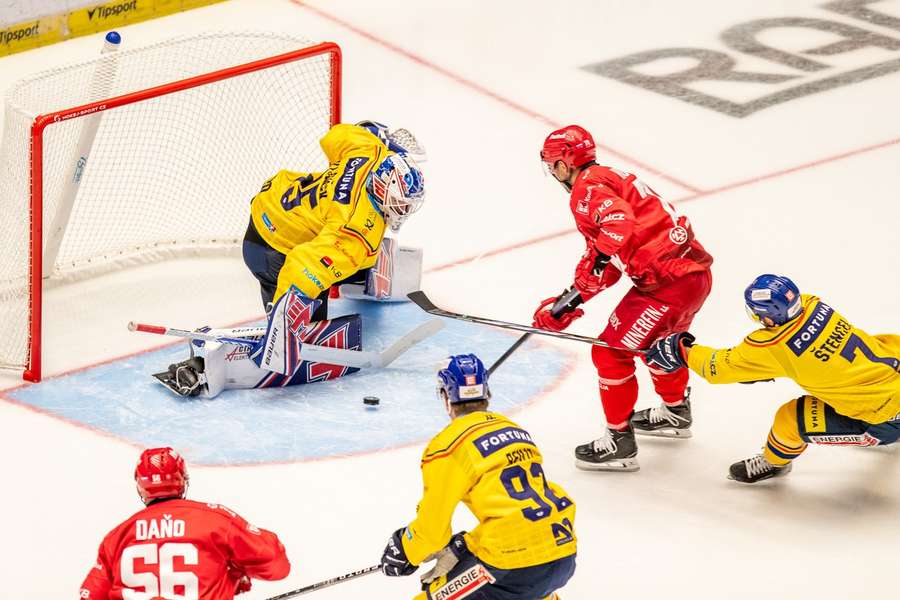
(312, 230)
(307, 232)
(852, 379)
(524, 545)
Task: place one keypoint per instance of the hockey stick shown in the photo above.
(328, 582)
(360, 359)
(566, 302)
(422, 301)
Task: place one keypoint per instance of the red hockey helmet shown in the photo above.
(160, 473)
(572, 144)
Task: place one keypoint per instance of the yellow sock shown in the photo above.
(784, 443)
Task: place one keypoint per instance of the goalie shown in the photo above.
(308, 232)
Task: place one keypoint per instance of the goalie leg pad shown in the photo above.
(397, 272)
(231, 367)
(279, 348)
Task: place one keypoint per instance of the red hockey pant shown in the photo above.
(639, 320)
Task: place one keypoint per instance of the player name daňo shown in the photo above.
(153, 529)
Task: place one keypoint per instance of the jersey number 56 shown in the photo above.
(169, 579)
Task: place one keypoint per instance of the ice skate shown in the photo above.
(664, 420)
(615, 451)
(756, 468)
(185, 378)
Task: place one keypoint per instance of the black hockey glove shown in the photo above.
(668, 353)
(393, 560)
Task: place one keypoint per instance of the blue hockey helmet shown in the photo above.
(397, 187)
(773, 296)
(379, 130)
(464, 379)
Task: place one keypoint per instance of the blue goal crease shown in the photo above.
(305, 422)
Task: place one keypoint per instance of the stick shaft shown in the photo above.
(422, 301)
(522, 339)
(328, 582)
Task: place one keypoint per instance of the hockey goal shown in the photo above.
(147, 154)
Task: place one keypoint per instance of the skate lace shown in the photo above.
(662, 413)
(605, 444)
(758, 465)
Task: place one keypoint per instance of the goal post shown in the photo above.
(190, 129)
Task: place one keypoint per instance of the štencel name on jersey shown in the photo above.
(856, 373)
(494, 467)
(325, 223)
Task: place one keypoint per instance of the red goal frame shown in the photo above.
(36, 214)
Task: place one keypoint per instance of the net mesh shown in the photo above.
(169, 175)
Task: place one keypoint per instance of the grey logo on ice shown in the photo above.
(810, 75)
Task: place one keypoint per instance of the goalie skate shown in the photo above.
(185, 378)
(664, 420)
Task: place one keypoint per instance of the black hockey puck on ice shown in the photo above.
(371, 401)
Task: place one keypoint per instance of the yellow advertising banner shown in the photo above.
(84, 21)
(31, 34)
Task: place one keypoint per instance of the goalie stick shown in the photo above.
(360, 359)
(328, 582)
(421, 300)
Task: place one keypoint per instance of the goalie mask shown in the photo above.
(463, 380)
(397, 187)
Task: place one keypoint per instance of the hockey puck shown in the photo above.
(371, 401)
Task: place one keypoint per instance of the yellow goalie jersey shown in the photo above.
(856, 373)
(325, 222)
(492, 465)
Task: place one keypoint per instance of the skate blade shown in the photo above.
(666, 433)
(624, 465)
(165, 378)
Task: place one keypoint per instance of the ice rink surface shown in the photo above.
(804, 183)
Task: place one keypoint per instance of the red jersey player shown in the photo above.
(180, 549)
(628, 229)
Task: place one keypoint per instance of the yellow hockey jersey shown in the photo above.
(493, 466)
(856, 373)
(325, 222)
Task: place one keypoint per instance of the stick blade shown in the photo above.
(419, 298)
(422, 332)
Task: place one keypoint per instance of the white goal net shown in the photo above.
(148, 153)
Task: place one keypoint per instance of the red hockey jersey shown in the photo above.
(183, 549)
(622, 217)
